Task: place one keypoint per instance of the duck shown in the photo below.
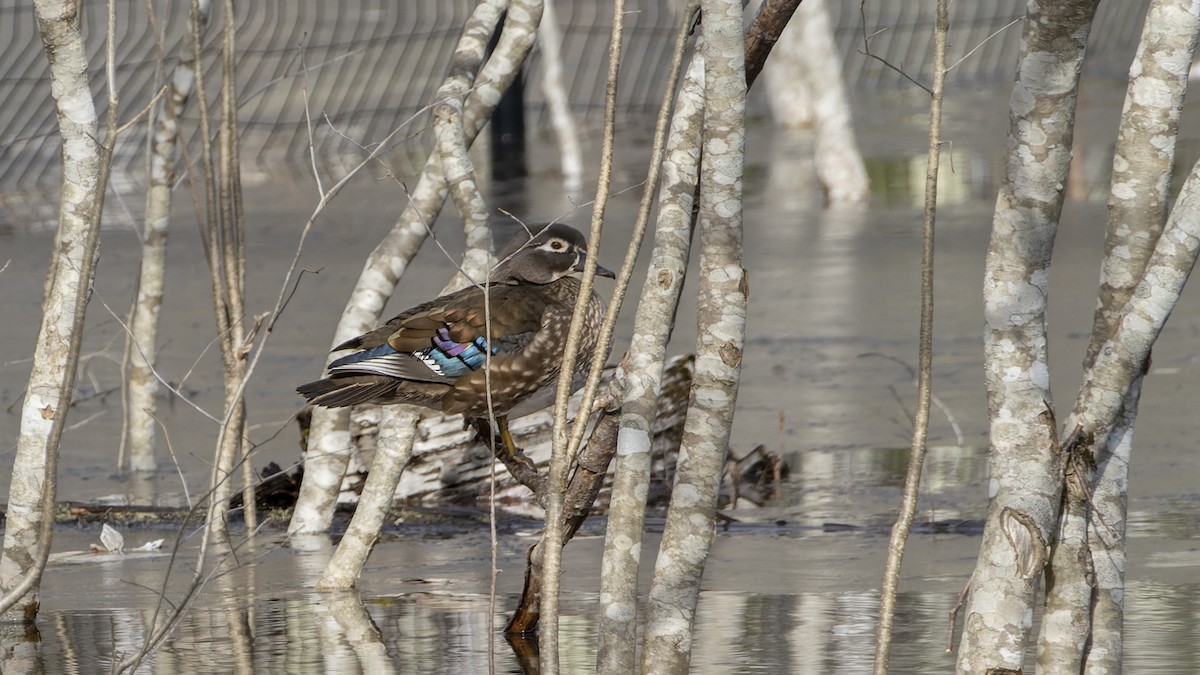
(443, 353)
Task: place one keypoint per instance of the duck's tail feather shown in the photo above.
(340, 392)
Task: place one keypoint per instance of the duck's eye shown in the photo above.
(557, 245)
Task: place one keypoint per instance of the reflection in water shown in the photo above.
(871, 479)
(818, 632)
(780, 594)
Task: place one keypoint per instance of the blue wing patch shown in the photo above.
(442, 362)
(452, 359)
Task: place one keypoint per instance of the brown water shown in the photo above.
(834, 299)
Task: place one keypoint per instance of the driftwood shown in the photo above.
(451, 465)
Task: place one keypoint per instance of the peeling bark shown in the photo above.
(1025, 466)
(689, 528)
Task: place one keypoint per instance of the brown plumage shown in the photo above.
(434, 354)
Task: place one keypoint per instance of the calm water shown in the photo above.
(834, 299)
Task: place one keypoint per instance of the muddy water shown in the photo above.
(791, 587)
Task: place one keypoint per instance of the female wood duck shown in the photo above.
(435, 354)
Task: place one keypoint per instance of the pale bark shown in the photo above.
(645, 386)
(1123, 355)
(56, 353)
(617, 622)
(557, 105)
(143, 325)
(920, 432)
(359, 631)
(1109, 501)
(1084, 604)
(451, 145)
(1144, 155)
(329, 441)
(589, 472)
(805, 85)
(1025, 483)
(690, 523)
(394, 449)
(788, 96)
(1122, 358)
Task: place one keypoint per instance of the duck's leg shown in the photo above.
(517, 462)
(503, 444)
(514, 453)
(506, 436)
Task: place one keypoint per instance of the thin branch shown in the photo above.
(866, 50)
(985, 40)
(561, 450)
(920, 433)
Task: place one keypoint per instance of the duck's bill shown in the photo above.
(601, 270)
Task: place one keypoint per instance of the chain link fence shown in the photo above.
(370, 65)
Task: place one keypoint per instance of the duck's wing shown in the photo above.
(448, 337)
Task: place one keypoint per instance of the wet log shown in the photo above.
(450, 464)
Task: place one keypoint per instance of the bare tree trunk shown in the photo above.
(143, 326)
(643, 375)
(29, 518)
(808, 67)
(690, 523)
(1025, 453)
(643, 367)
(225, 252)
(396, 434)
(1084, 607)
(557, 105)
(329, 440)
(1112, 380)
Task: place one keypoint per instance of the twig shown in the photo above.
(950, 418)
(953, 615)
(144, 111)
(985, 40)
(312, 150)
(178, 469)
(162, 380)
(866, 50)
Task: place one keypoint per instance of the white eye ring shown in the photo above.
(555, 246)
